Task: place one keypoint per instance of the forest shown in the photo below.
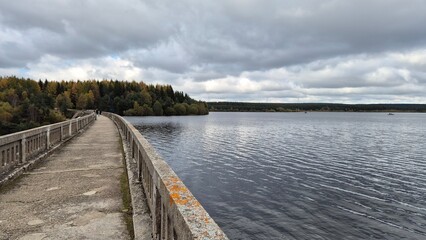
(302, 107)
(26, 103)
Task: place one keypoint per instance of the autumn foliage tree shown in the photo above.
(25, 103)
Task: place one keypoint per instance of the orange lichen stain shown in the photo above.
(182, 201)
(179, 194)
(172, 180)
(176, 198)
(196, 204)
(176, 188)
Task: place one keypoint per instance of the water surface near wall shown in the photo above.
(301, 176)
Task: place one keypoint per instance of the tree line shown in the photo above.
(26, 103)
(298, 107)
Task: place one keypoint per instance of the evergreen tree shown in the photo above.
(158, 108)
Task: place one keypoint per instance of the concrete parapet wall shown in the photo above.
(17, 149)
(176, 214)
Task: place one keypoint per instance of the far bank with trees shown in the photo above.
(312, 107)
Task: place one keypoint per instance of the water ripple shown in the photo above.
(301, 176)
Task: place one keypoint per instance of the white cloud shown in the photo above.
(53, 68)
(357, 77)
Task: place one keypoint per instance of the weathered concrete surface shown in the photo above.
(74, 194)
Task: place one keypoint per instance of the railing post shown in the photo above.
(70, 128)
(139, 164)
(132, 153)
(61, 137)
(155, 214)
(23, 150)
(48, 138)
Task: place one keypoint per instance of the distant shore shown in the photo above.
(312, 107)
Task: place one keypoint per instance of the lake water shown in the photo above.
(301, 176)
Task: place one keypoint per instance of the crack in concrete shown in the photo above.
(72, 170)
(24, 202)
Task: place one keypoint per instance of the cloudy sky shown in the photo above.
(350, 51)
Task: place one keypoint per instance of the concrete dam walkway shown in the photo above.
(73, 194)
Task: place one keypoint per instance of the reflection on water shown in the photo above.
(301, 176)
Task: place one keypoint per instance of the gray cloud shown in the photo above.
(83, 29)
(249, 50)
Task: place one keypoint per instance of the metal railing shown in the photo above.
(175, 212)
(17, 149)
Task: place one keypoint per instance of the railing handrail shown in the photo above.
(36, 130)
(176, 213)
(81, 113)
(32, 131)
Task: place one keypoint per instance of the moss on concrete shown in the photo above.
(125, 195)
(6, 187)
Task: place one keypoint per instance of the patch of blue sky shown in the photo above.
(115, 56)
(24, 71)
